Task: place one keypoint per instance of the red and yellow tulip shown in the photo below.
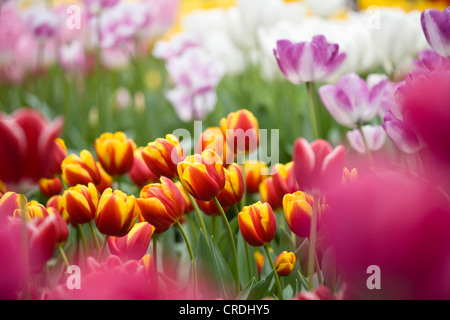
(255, 173)
(80, 202)
(116, 213)
(214, 139)
(140, 173)
(81, 169)
(202, 175)
(50, 187)
(161, 204)
(163, 155)
(284, 264)
(115, 152)
(258, 224)
(241, 130)
(268, 193)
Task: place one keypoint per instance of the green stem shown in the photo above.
(94, 234)
(312, 109)
(191, 255)
(233, 245)
(102, 249)
(198, 214)
(82, 237)
(247, 253)
(64, 256)
(277, 279)
(366, 145)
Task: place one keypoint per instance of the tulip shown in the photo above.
(317, 166)
(284, 264)
(81, 169)
(188, 206)
(202, 175)
(135, 244)
(259, 259)
(140, 174)
(255, 173)
(241, 131)
(34, 209)
(115, 152)
(233, 191)
(61, 228)
(9, 203)
(257, 224)
(161, 204)
(351, 102)
(50, 187)
(80, 202)
(269, 194)
(298, 208)
(436, 27)
(214, 139)
(116, 213)
(59, 154)
(373, 139)
(163, 155)
(27, 146)
(283, 179)
(55, 204)
(209, 207)
(308, 61)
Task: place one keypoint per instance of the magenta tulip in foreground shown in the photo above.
(436, 27)
(308, 61)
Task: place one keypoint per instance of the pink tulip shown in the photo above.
(317, 166)
(431, 61)
(308, 61)
(436, 27)
(375, 137)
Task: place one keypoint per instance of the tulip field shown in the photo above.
(197, 150)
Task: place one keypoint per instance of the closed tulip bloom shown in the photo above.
(116, 213)
(161, 204)
(241, 130)
(351, 101)
(202, 175)
(284, 179)
(214, 139)
(135, 244)
(163, 155)
(298, 209)
(436, 27)
(50, 187)
(284, 264)
(59, 154)
(81, 169)
(80, 202)
(26, 146)
(255, 173)
(268, 193)
(55, 204)
(234, 186)
(140, 174)
(308, 61)
(115, 152)
(257, 224)
(317, 166)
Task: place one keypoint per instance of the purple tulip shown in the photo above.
(403, 135)
(351, 102)
(436, 26)
(431, 61)
(375, 138)
(308, 61)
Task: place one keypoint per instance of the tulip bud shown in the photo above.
(80, 202)
(161, 204)
(140, 174)
(298, 212)
(257, 224)
(135, 244)
(213, 139)
(50, 187)
(202, 175)
(255, 173)
(163, 155)
(259, 259)
(56, 204)
(80, 170)
(116, 213)
(268, 193)
(285, 263)
(241, 130)
(115, 152)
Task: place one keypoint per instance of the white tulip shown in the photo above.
(325, 8)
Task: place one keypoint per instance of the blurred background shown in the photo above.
(152, 66)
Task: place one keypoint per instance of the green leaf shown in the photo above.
(260, 289)
(224, 272)
(243, 295)
(245, 274)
